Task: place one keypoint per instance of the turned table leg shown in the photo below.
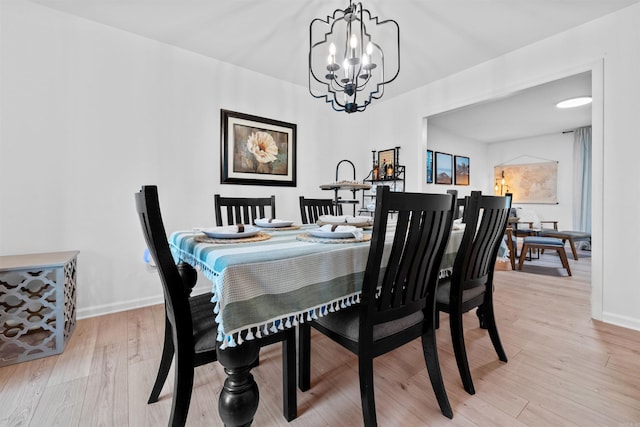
(239, 397)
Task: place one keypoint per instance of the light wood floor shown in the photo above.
(564, 369)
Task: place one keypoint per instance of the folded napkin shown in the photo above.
(458, 224)
(345, 219)
(270, 220)
(357, 232)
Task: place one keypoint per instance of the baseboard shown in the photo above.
(100, 310)
(624, 321)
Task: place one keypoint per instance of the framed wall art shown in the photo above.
(256, 150)
(429, 167)
(386, 160)
(443, 168)
(529, 183)
(461, 170)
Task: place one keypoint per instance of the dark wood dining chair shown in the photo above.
(190, 327)
(397, 302)
(312, 209)
(471, 284)
(243, 210)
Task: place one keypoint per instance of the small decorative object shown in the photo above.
(429, 167)
(257, 151)
(390, 171)
(376, 172)
(347, 63)
(462, 170)
(444, 168)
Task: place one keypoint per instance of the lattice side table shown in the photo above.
(37, 305)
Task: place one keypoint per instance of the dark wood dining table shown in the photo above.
(271, 281)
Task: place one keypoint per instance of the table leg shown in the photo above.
(239, 397)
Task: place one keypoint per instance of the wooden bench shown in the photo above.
(542, 243)
(571, 236)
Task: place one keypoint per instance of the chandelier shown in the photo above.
(347, 57)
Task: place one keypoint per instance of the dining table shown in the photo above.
(274, 280)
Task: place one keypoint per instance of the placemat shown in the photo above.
(306, 237)
(289, 228)
(255, 238)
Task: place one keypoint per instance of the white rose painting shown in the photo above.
(257, 151)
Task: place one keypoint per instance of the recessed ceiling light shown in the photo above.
(574, 102)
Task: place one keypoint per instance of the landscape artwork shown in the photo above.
(444, 168)
(530, 183)
(462, 170)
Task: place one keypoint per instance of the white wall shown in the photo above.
(609, 48)
(483, 157)
(552, 147)
(442, 140)
(90, 113)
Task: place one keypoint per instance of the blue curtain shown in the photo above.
(582, 180)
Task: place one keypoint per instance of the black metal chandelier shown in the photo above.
(347, 60)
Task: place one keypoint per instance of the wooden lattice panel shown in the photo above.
(37, 305)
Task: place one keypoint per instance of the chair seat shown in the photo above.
(346, 323)
(541, 240)
(205, 328)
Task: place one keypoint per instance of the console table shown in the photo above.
(37, 305)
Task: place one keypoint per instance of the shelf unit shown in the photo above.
(396, 182)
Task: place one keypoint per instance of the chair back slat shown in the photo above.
(421, 233)
(243, 210)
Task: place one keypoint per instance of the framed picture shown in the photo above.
(429, 167)
(461, 170)
(444, 168)
(257, 151)
(387, 163)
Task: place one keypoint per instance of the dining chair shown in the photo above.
(397, 302)
(243, 210)
(190, 327)
(471, 283)
(312, 209)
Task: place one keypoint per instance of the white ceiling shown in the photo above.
(438, 37)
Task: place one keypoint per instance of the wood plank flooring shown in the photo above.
(564, 369)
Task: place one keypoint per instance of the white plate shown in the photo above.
(231, 232)
(275, 223)
(331, 234)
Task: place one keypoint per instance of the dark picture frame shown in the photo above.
(386, 157)
(443, 168)
(429, 167)
(256, 150)
(461, 165)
